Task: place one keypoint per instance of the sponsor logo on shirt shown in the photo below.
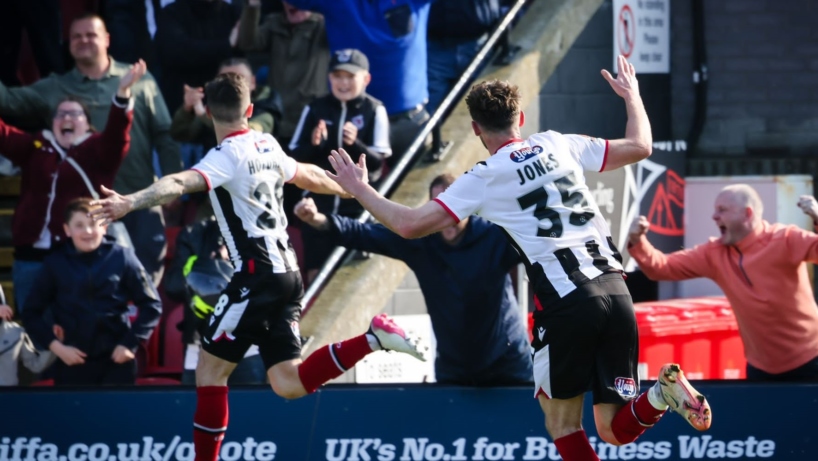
(525, 153)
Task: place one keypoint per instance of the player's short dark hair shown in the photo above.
(78, 205)
(494, 104)
(227, 97)
(444, 180)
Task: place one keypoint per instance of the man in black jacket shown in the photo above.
(88, 283)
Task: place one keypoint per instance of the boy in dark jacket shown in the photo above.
(88, 283)
(346, 118)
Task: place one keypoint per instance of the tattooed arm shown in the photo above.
(165, 190)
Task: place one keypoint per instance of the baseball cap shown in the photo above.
(350, 60)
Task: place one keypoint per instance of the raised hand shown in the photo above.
(350, 133)
(809, 206)
(136, 72)
(625, 83)
(111, 208)
(319, 133)
(639, 227)
(193, 97)
(349, 175)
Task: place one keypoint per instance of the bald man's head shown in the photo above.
(746, 196)
(738, 210)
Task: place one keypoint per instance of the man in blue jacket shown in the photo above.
(463, 272)
(87, 284)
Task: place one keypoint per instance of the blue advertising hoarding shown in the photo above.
(363, 423)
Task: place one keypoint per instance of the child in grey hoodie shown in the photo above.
(15, 345)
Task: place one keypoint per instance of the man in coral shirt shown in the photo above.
(761, 269)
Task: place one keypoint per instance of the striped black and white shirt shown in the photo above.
(245, 175)
(535, 189)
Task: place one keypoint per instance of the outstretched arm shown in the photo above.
(314, 179)
(170, 187)
(400, 219)
(679, 265)
(638, 141)
(349, 233)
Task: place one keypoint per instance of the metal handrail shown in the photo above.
(413, 152)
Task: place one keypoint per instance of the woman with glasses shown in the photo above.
(69, 161)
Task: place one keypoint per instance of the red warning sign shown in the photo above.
(626, 31)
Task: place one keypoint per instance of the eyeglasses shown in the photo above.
(70, 113)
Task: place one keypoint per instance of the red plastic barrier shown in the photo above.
(700, 334)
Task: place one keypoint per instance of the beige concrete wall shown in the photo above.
(362, 289)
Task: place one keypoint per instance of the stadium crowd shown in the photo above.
(100, 95)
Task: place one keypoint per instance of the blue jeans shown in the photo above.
(446, 60)
(191, 154)
(23, 274)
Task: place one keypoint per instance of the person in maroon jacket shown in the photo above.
(69, 161)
